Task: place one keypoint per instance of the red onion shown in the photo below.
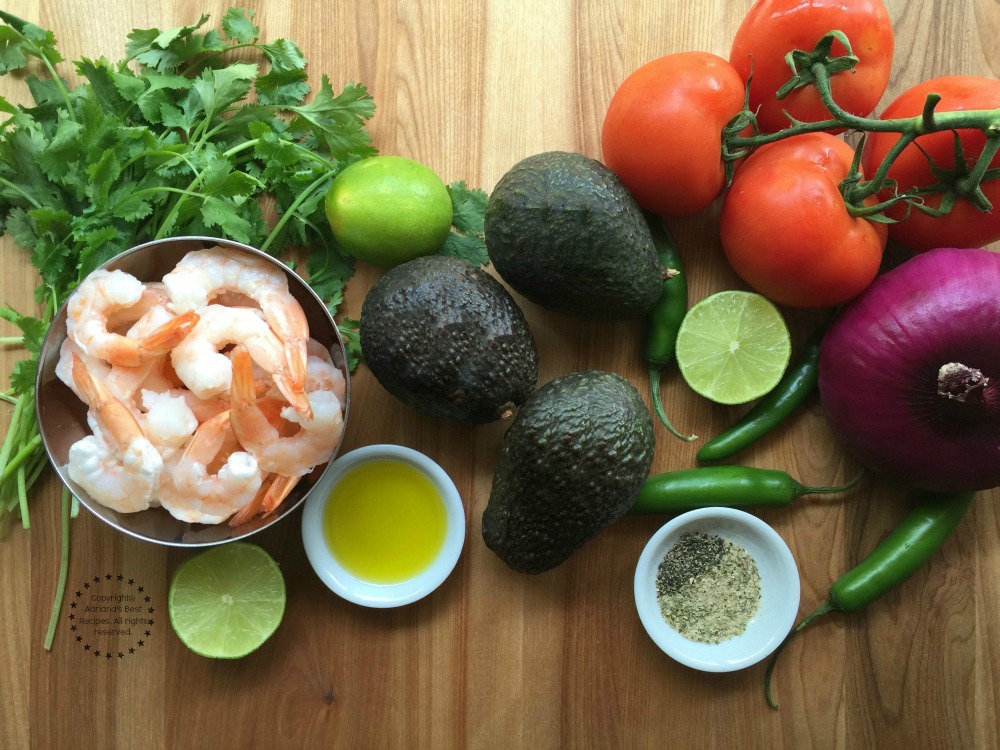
(909, 371)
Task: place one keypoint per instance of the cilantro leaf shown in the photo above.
(220, 179)
(32, 329)
(224, 215)
(467, 240)
(12, 50)
(21, 228)
(470, 249)
(161, 91)
(218, 88)
(350, 333)
(166, 51)
(328, 273)
(285, 83)
(21, 39)
(22, 377)
(338, 122)
(58, 157)
(102, 82)
(238, 25)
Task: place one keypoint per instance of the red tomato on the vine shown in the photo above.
(965, 225)
(662, 134)
(786, 231)
(773, 28)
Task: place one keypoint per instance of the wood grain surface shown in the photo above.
(494, 658)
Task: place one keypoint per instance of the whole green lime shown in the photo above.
(386, 210)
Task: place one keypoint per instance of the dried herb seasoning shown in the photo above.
(707, 587)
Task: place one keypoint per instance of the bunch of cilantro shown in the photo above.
(182, 137)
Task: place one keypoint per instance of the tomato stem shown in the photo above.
(817, 68)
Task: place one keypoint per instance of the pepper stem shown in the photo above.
(801, 489)
(654, 387)
(825, 608)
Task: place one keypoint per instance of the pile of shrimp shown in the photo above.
(205, 393)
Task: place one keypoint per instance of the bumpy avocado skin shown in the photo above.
(448, 340)
(571, 463)
(563, 230)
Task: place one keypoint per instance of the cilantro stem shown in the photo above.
(11, 340)
(13, 431)
(208, 55)
(318, 158)
(290, 211)
(58, 83)
(23, 454)
(159, 152)
(57, 600)
(157, 191)
(22, 496)
(11, 186)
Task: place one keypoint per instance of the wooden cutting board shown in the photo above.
(495, 658)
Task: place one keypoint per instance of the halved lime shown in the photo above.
(733, 347)
(224, 603)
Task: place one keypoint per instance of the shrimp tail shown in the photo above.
(114, 416)
(296, 358)
(243, 393)
(280, 489)
(170, 334)
(271, 494)
(249, 511)
(294, 393)
(207, 439)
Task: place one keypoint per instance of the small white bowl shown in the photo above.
(349, 586)
(779, 582)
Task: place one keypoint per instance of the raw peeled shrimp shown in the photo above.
(117, 465)
(291, 456)
(190, 493)
(207, 372)
(202, 275)
(103, 295)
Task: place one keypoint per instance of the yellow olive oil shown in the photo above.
(385, 521)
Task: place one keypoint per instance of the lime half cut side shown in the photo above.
(226, 602)
(733, 347)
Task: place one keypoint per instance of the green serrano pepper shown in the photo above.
(664, 320)
(917, 537)
(798, 382)
(731, 486)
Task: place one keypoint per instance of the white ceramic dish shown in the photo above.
(359, 591)
(779, 580)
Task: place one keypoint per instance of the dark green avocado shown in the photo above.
(448, 340)
(563, 230)
(571, 464)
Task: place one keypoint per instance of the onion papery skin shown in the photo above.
(879, 367)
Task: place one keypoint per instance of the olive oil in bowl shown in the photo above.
(385, 521)
(384, 526)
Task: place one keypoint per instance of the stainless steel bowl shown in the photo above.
(62, 416)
